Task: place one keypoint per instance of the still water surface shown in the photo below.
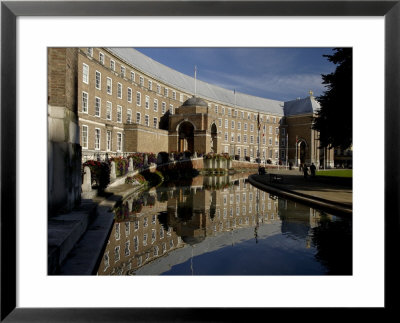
(223, 225)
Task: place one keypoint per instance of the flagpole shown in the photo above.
(195, 78)
(296, 154)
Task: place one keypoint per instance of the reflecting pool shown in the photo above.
(222, 225)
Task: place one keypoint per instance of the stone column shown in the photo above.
(130, 168)
(87, 180)
(113, 174)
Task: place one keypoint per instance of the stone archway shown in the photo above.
(301, 152)
(214, 138)
(186, 137)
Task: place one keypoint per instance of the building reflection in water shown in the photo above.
(169, 225)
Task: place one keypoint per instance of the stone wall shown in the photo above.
(139, 138)
(64, 150)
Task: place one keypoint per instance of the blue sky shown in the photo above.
(276, 73)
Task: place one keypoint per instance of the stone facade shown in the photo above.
(124, 109)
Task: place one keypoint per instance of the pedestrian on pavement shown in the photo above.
(305, 170)
(312, 170)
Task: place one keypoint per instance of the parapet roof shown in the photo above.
(209, 91)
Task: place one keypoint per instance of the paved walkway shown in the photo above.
(324, 191)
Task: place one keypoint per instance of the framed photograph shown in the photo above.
(30, 29)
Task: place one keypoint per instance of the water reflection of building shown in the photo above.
(181, 216)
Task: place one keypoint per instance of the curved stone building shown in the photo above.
(127, 102)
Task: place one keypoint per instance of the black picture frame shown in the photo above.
(10, 10)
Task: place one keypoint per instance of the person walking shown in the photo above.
(305, 170)
(312, 170)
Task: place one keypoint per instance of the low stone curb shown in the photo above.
(304, 198)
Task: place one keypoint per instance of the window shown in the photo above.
(274, 120)
(171, 109)
(223, 110)
(146, 120)
(270, 141)
(219, 122)
(226, 149)
(270, 130)
(150, 85)
(85, 74)
(119, 141)
(276, 154)
(90, 51)
(232, 137)
(239, 125)
(101, 58)
(173, 95)
(242, 115)
(109, 140)
(129, 116)
(251, 127)
(138, 99)
(85, 99)
(282, 154)
(245, 126)
(216, 108)
(245, 154)
(133, 76)
(238, 137)
(276, 142)
(97, 106)
(109, 85)
(112, 65)
(129, 94)
(226, 136)
(97, 139)
(158, 88)
(252, 139)
(165, 91)
(116, 253)
(264, 140)
(141, 81)
(245, 139)
(109, 111)
(283, 142)
(84, 137)
(119, 113)
(138, 117)
(155, 122)
(232, 124)
(277, 131)
(226, 123)
(155, 105)
(122, 71)
(98, 80)
(119, 91)
(181, 97)
(163, 107)
(229, 112)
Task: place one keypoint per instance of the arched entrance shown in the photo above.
(301, 152)
(214, 134)
(186, 137)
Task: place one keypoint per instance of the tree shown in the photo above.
(334, 120)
